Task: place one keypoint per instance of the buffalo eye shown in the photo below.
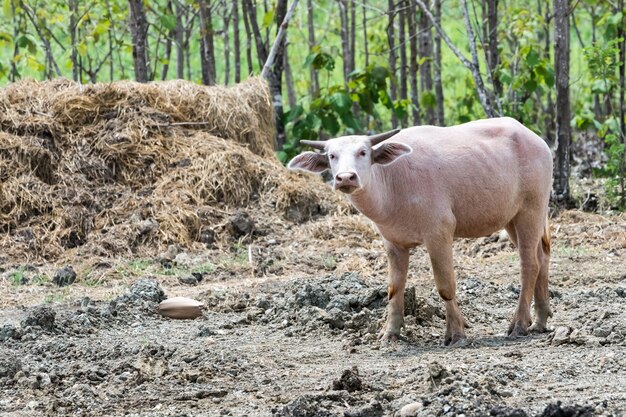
(332, 156)
(363, 152)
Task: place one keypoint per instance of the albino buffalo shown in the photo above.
(428, 185)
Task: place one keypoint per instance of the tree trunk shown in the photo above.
(622, 133)
(291, 90)
(314, 84)
(439, 112)
(365, 46)
(236, 41)
(246, 23)
(403, 59)
(345, 39)
(180, 34)
(549, 115)
(261, 50)
(392, 61)
(561, 66)
(207, 46)
(352, 35)
(226, 20)
(413, 66)
(493, 57)
(139, 33)
(73, 13)
(426, 56)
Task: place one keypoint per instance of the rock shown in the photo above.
(8, 331)
(561, 335)
(41, 316)
(190, 279)
(603, 331)
(147, 289)
(64, 276)
(373, 409)
(182, 260)
(241, 224)
(9, 366)
(556, 410)
(169, 255)
(207, 236)
(349, 381)
(147, 226)
(410, 410)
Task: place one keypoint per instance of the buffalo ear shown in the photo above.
(310, 161)
(389, 152)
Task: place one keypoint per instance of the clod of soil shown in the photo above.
(241, 224)
(41, 316)
(64, 276)
(349, 381)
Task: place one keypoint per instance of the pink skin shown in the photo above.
(428, 185)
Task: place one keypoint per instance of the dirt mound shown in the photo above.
(126, 168)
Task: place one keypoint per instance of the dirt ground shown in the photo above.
(290, 329)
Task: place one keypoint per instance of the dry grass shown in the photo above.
(126, 168)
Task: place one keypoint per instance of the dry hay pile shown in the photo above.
(127, 168)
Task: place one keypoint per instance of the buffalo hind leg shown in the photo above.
(542, 295)
(528, 238)
(440, 252)
(398, 259)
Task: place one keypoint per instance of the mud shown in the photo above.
(302, 341)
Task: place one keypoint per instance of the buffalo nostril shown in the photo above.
(352, 177)
(338, 178)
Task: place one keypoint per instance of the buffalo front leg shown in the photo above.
(440, 252)
(398, 260)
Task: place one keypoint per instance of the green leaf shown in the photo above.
(293, 113)
(312, 121)
(532, 58)
(7, 10)
(602, 86)
(351, 122)
(380, 74)
(268, 19)
(505, 76)
(168, 21)
(340, 102)
(101, 28)
(428, 100)
(330, 124)
(530, 86)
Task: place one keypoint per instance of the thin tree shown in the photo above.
(392, 58)
(139, 33)
(622, 133)
(345, 39)
(314, 84)
(426, 57)
(207, 49)
(364, 24)
(180, 47)
(561, 67)
(491, 52)
(236, 40)
(261, 49)
(246, 23)
(403, 57)
(73, 6)
(413, 65)
(226, 19)
(439, 112)
(483, 94)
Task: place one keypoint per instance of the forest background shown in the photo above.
(358, 66)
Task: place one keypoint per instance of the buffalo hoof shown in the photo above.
(388, 337)
(457, 340)
(516, 331)
(539, 328)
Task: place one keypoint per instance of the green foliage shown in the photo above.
(340, 108)
(603, 63)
